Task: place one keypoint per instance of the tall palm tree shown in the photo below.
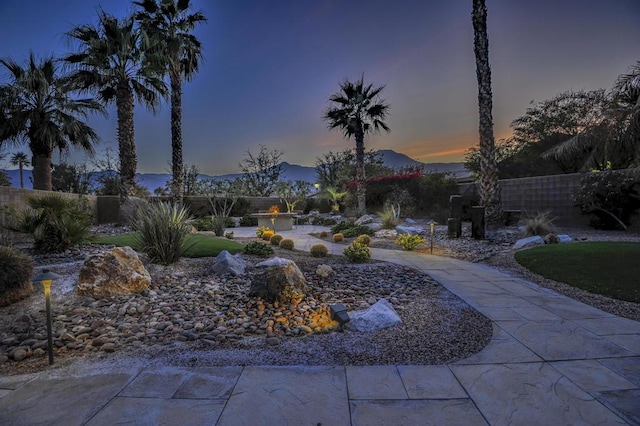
(489, 185)
(37, 106)
(112, 61)
(358, 110)
(169, 24)
(20, 159)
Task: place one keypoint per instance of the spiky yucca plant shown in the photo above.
(162, 230)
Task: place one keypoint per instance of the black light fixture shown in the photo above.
(339, 313)
(46, 277)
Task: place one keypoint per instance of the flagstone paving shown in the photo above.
(552, 360)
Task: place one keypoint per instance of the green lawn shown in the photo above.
(608, 268)
(199, 245)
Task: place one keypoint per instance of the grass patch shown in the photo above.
(607, 268)
(199, 245)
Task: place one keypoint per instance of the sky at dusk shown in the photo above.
(271, 65)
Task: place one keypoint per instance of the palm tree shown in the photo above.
(20, 159)
(357, 111)
(169, 24)
(113, 62)
(37, 106)
(489, 186)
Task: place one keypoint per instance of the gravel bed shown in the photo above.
(191, 316)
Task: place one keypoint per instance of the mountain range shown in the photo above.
(291, 172)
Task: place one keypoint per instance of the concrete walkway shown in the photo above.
(552, 361)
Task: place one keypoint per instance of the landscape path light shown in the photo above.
(46, 277)
(339, 313)
(432, 225)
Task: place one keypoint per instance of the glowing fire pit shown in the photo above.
(276, 220)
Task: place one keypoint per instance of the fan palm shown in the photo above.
(489, 185)
(37, 106)
(169, 24)
(20, 159)
(358, 110)
(114, 63)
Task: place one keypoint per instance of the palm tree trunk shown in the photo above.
(21, 168)
(361, 181)
(177, 165)
(126, 141)
(42, 171)
(489, 186)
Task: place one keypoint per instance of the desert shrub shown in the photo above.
(338, 237)
(350, 230)
(319, 250)
(266, 235)
(229, 235)
(287, 244)
(248, 220)
(388, 217)
(323, 234)
(56, 222)
(409, 241)
(363, 239)
(261, 230)
(537, 224)
(339, 227)
(357, 230)
(611, 196)
(257, 248)
(16, 270)
(202, 223)
(219, 224)
(323, 221)
(275, 239)
(357, 253)
(162, 229)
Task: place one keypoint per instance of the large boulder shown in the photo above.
(413, 230)
(380, 315)
(374, 226)
(117, 271)
(363, 220)
(536, 240)
(386, 233)
(279, 279)
(564, 238)
(227, 263)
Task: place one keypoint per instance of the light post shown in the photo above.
(46, 277)
(317, 187)
(432, 225)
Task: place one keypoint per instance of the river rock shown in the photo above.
(117, 271)
(226, 263)
(324, 270)
(279, 279)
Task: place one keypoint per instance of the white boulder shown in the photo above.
(380, 315)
